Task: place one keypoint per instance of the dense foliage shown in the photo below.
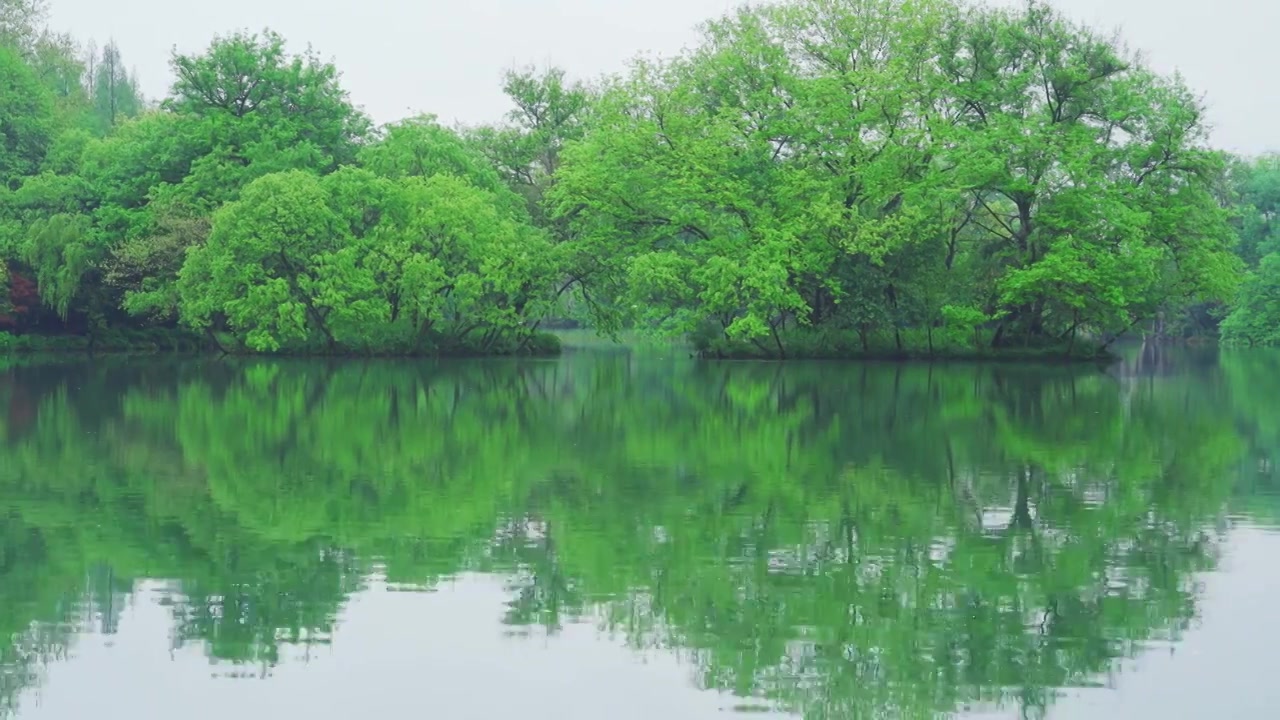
(1255, 315)
(890, 167)
(816, 177)
(256, 206)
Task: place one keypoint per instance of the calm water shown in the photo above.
(618, 536)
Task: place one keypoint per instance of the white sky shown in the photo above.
(401, 57)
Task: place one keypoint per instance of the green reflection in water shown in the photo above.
(840, 540)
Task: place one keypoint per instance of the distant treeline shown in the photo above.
(815, 178)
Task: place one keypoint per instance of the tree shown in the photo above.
(145, 268)
(747, 155)
(1255, 317)
(26, 119)
(550, 111)
(108, 186)
(1084, 163)
(817, 169)
(63, 249)
(114, 92)
(260, 101)
(21, 22)
(422, 147)
(266, 264)
(359, 262)
(1256, 199)
(815, 177)
(242, 110)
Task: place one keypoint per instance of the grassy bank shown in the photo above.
(152, 340)
(907, 345)
(177, 341)
(790, 345)
(627, 341)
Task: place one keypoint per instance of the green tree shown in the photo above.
(550, 111)
(107, 186)
(1097, 223)
(26, 119)
(113, 90)
(357, 261)
(1255, 317)
(243, 109)
(267, 265)
(21, 22)
(1256, 199)
(267, 110)
(422, 147)
(818, 169)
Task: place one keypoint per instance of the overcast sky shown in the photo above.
(402, 57)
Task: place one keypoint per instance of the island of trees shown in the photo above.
(815, 178)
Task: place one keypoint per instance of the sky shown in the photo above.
(446, 57)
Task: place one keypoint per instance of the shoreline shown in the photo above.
(181, 344)
(974, 359)
(550, 345)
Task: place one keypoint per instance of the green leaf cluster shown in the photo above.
(825, 168)
(360, 262)
(1254, 316)
(258, 205)
(813, 178)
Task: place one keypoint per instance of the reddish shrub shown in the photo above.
(23, 298)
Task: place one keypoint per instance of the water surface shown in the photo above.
(638, 536)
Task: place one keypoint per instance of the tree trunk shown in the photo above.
(1071, 342)
(773, 328)
(208, 331)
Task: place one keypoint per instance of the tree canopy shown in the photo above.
(813, 177)
(860, 167)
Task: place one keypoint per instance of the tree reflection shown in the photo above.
(842, 540)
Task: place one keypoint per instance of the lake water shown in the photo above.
(617, 535)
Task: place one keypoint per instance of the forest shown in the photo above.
(814, 178)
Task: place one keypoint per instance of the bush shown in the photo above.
(539, 344)
(543, 344)
(959, 342)
(115, 340)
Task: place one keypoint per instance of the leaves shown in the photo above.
(815, 176)
(1256, 317)
(858, 166)
(26, 119)
(363, 262)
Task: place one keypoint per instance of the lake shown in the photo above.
(632, 535)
